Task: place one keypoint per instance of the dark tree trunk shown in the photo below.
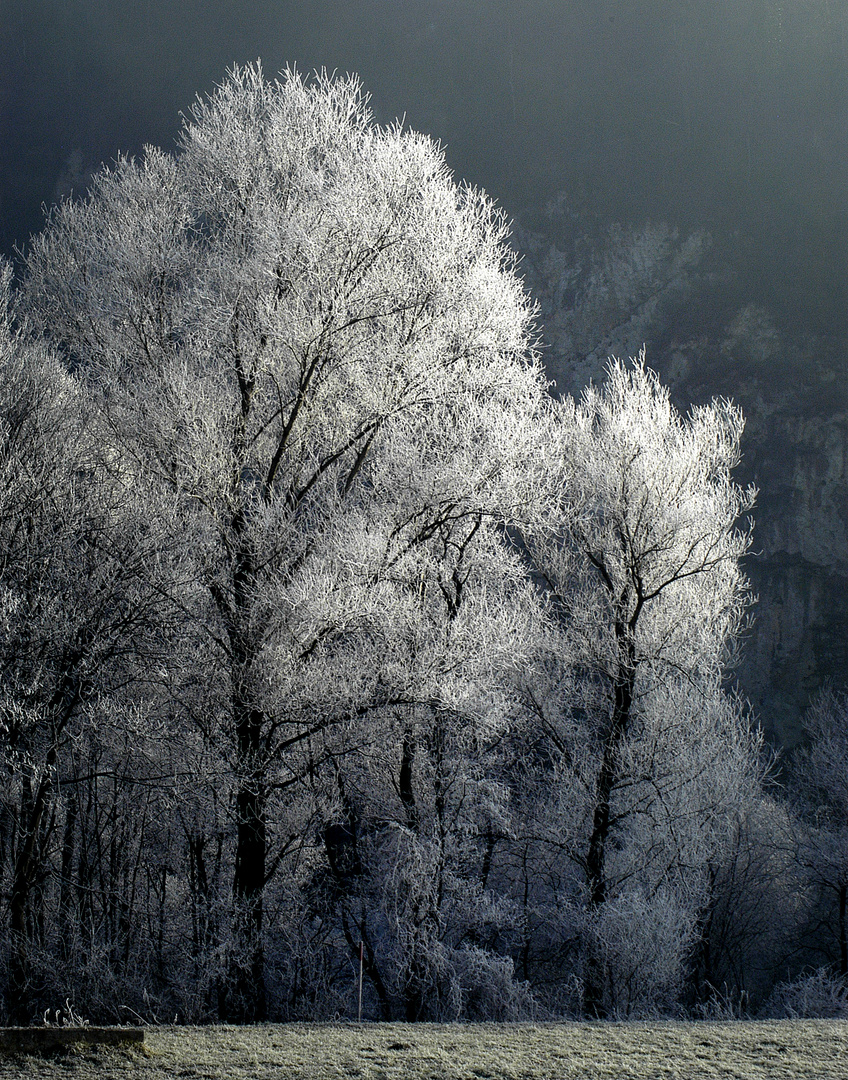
(242, 998)
(593, 993)
(202, 928)
(245, 998)
(24, 879)
(595, 859)
(405, 787)
(67, 917)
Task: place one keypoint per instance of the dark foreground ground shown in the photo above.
(796, 1049)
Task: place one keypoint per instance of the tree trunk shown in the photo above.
(23, 881)
(242, 999)
(593, 992)
(245, 998)
(405, 787)
(67, 915)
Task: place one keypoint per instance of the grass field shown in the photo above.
(797, 1049)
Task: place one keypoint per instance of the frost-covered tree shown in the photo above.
(640, 557)
(756, 900)
(311, 353)
(819, 790)
(406, 842)
(75, 618)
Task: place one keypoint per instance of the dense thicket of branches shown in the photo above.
(329, 638)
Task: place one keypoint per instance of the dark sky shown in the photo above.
(725, 114)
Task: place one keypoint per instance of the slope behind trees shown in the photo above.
(820, 793)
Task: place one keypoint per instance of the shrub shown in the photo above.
(815, 995)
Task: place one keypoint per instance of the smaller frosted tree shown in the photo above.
(640, 556)
(406, 843)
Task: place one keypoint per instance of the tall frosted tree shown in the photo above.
(292, 324)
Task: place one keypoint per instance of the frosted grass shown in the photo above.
(796, 1049)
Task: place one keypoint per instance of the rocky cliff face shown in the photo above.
(606, 294)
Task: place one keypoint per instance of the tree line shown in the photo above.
(330, 638)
